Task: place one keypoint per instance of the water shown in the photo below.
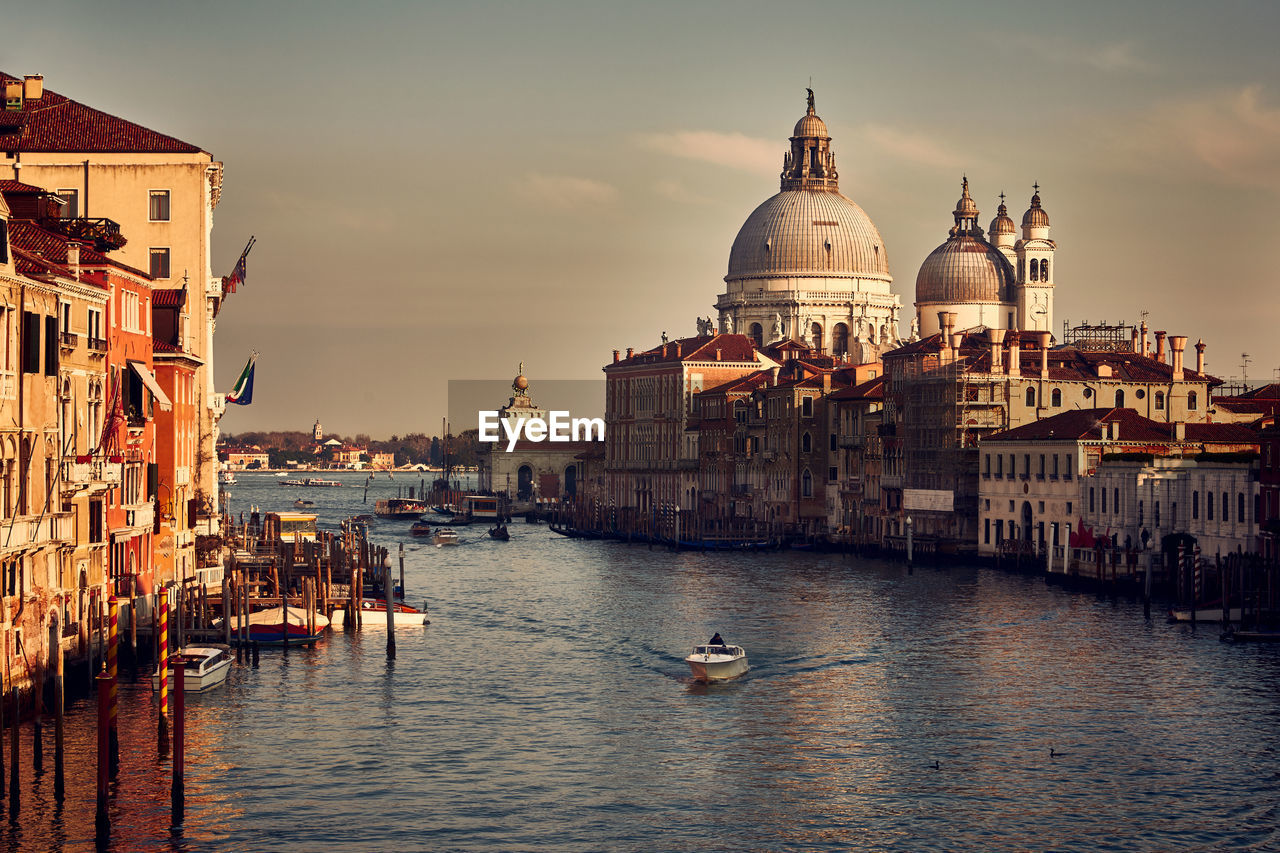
(547, 708)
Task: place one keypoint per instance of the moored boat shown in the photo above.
(1205, 614)
(203, 668)
(445, 536)
(269, 627)
(302, 503)
(717, 661)
(399, 508)
(374, 614)
(420, 528)
(227, 478)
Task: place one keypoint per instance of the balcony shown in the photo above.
(140, 515)
(850, 442)
(68, 340)
(42, 530)
(82, 470)
(97, 346)
(103, 233)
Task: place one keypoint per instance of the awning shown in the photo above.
(149, 380)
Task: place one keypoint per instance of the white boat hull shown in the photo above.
(716, 667)
(194, 681)
(378, 619)
(1211, 614)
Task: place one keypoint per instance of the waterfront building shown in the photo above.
(1001, 283)
(240, 458)
(1268, 514)
(161, 192)
(651, 458)
(946, 391)
(176, 444)
(531, 470)
(1029, 488)
(808, 264)
(859, 420)
(1207, 503)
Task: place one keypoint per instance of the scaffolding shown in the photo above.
(1099, 337)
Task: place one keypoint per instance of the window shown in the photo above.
(1068, 507)
(1157, 513)
(1226, 507)
(806, 407)
(159, 263)
(1240, 507)
(1208, 506)
(95, 326)
(986, 532)
(159, 206)
(1055, 398)
(1191, 401)
(1091, 499)
(999, 464)
(1195, 505)
(806, 443)
(1055, 466)
(30, 342)
(1044, 270)
(1035, 269)
(806, 485)
(1031, 398)
(71, 203)
(4, 241)
(50, 346)
(832, 475)
(1026, 466)
(1055, 459)
(1104, 501)
(1159, 401)
(986, 464)
(1120, 398)
(832, 441)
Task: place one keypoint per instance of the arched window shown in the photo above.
(806, 484)
(1055, 398)
(840, 340)
(1191, 401)
(1044, 270)
(1031, 398)
(757, 334)
(815, 336)
(1035, 270)
(806, 443)
(1159, 401)
(1119, 398)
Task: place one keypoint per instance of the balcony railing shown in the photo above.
(97, 345)
(68, 339)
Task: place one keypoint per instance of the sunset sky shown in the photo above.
(441, 191)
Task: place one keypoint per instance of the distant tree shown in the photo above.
(436, 456)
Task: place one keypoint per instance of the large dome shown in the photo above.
(808, 233)
(965, 269)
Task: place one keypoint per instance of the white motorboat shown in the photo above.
(1205, 614)
(374, 615)
(227, 478)
(717, 661)
(203, 668)
(445, 536)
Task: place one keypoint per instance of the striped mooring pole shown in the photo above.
(162, 661)
(113, 672)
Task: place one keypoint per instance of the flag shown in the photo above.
(231, 282)
(242, 394)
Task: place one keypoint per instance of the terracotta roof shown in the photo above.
(741, 384)
(1089, 425)
(169, 297)
(158, 345)
(20, 187)
(57, 123)
(872, 389)
(28, 235)
(733, 348)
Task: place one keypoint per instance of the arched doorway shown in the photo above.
(840, 340)
(524, 483)
(757, 334)
(571, 481)
(1026, 521)
(815, 336)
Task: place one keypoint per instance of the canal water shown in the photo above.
(546, 707)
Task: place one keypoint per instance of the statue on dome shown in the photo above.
(915, 328)
(810, 91)
(664, 338)
(728, 324)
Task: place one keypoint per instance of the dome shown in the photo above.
(966, 207)
(965, 269)
(808, 232)
(811, 126)
(1035, 217)
(1002, 224)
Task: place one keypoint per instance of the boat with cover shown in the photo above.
(268, 627)
(445, 536)
(374, 614)
(717, 661)
(203, 668)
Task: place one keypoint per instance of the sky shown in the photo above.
(441, 191)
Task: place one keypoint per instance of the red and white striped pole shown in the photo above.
(177, 794)
(162, 627)
(102, 820)
(113, 648)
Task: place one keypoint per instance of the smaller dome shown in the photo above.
(520, 383)
(1035, 217)
(964, 269)
(1002, 224)
(810, 126)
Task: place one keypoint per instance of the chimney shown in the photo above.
(957, 338)
(826, 383)
(1160, 346)
(942, 325)
(615, 356)
(1045, 337)
(1200, 356)
(13, 93)
(631, 351)
(1113, 430)
(1177, 343)
(664, 350)
(1134, 345)
(994, 338)
(717, 353)
(1146, 345)
(33, 87)
(1179, 431)
(773, 374)
(1015, 354)
(73, 258)
(678, 348)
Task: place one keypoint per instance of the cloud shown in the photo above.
(735, 150)
(1230, 137)
(678, 192)
(1119, 56)
(1111, 58)
(566, 192)
(912, 147)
